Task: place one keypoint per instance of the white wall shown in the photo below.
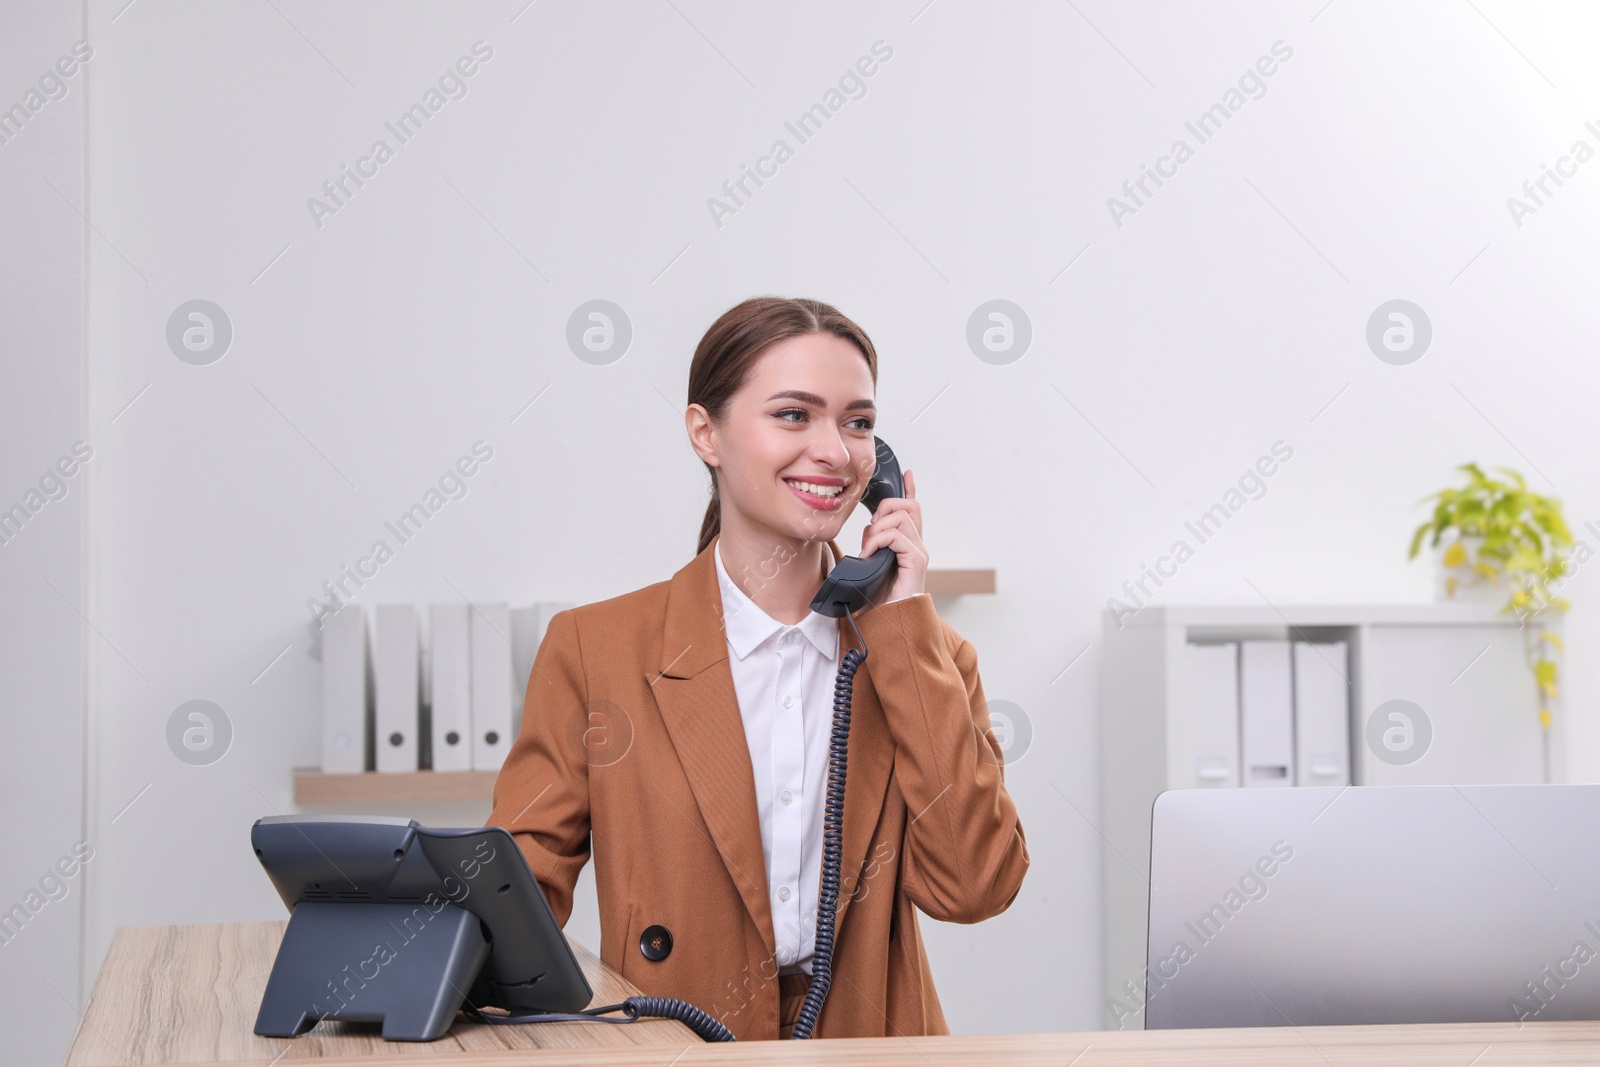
(43, 598)
(369, 352)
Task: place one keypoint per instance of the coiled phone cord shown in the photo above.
(708, 1028)
(711, 1029)
(832, 839)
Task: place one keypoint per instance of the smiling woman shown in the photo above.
(731, 870)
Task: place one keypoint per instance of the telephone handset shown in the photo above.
(855, 583)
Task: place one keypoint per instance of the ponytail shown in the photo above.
(711, 525)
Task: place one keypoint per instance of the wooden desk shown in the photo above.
(189, 994)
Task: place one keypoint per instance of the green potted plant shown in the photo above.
(1500, 538)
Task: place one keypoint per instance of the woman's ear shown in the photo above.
(698, 422)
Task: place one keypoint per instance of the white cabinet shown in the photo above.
(1430, 694)
(1474, 685)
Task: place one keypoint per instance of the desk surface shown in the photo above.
(189, 994)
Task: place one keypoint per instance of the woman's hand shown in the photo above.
(897, 524)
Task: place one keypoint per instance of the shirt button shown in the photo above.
(788, 701)
(786, 796)
(783, 894)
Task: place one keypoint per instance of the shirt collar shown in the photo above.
(748, 626)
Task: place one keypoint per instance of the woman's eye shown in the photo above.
(863, 424)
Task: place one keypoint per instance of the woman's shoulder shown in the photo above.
(633, 618)
(651, 600)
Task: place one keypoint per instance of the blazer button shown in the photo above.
(655, 942)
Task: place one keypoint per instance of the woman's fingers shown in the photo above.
(896, 505)
(891, 528)
(897, 524)
(897, 530)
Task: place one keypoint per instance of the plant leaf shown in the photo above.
(1416, 540)
(1544, 672)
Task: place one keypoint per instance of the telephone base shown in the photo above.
(406, 966)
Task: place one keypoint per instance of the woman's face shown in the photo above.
(795, 448)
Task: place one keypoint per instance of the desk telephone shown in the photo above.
(505, 949)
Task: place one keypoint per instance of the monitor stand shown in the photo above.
(408, 966)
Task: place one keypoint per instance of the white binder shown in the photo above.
(346, 693)
(399, 685)
(528, 626)
(1321, 713)
(1212, 691)
(450, 662)
(1266, 713)
(491, 685)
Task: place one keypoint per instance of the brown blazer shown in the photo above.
(632, 744)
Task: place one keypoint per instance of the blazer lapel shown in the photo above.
(694, 691)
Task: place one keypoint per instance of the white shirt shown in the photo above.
(784, 676)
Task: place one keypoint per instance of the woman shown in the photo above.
(681, 730)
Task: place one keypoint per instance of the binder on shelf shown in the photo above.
(1212, 691)
(398, 684)
(1266, 713)
(491, 685)
(450, 662)
(1322, 713)
(346, 693)
(528, 625)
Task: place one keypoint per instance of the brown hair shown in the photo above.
(723, 359)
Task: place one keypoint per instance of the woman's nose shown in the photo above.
(828, 449)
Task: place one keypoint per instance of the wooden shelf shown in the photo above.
(960, 582)
(311, 786)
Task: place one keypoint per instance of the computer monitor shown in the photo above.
(1418, 904)
(395, 922)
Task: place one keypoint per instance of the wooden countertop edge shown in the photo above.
(1453, 1043)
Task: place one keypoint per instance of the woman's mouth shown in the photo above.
(821, 497)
